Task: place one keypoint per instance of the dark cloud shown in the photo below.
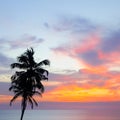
(22, 42)
(4, 86)
(5, 61)
(86, 78)
(5, 65)
(92, 58)
(82, 77)
(46, 25)
(58, 77)
(2, 41)
(75, 25)
(26, 41)
(111, 42)
(6, 71)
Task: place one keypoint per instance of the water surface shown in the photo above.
(61, 115)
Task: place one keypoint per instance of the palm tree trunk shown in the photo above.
(23, 108)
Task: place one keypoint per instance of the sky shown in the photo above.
(81, 38)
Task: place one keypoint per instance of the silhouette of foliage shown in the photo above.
(27, 83)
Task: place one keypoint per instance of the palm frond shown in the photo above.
(40, 87)
(14, 87)
(29, 52)
(41, 71)
(18, 65)
(39, 93)
(11, 88)
(23, 59)
(30, 101)
(44, 77)
(17, 95)
(34, 101)
(44, 62)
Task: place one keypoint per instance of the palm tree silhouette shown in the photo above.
(27, 83)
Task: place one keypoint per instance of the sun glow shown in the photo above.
(73, 93)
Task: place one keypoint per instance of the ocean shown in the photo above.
(61, 115)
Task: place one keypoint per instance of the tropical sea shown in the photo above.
(61, 115)
(63, 111)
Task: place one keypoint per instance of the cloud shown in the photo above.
(5, 61)
(74, 25)
(46, 25)
(24, 41)
(86, 49)
(70, 93)
(5, 99)
(98, 53)
(85, 85)
(83, 78)
(111, 42)
(4, 88)
(94, 49)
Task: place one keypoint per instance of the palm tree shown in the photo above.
(27, 83)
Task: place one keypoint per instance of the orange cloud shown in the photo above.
(113, 82)
(5, 98)
(74, 93)
(95, 70)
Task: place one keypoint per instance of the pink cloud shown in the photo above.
(88, 43)
(93, 50)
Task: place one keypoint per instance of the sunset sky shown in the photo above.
(81, 38)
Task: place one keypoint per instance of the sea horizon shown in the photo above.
(64, 106)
